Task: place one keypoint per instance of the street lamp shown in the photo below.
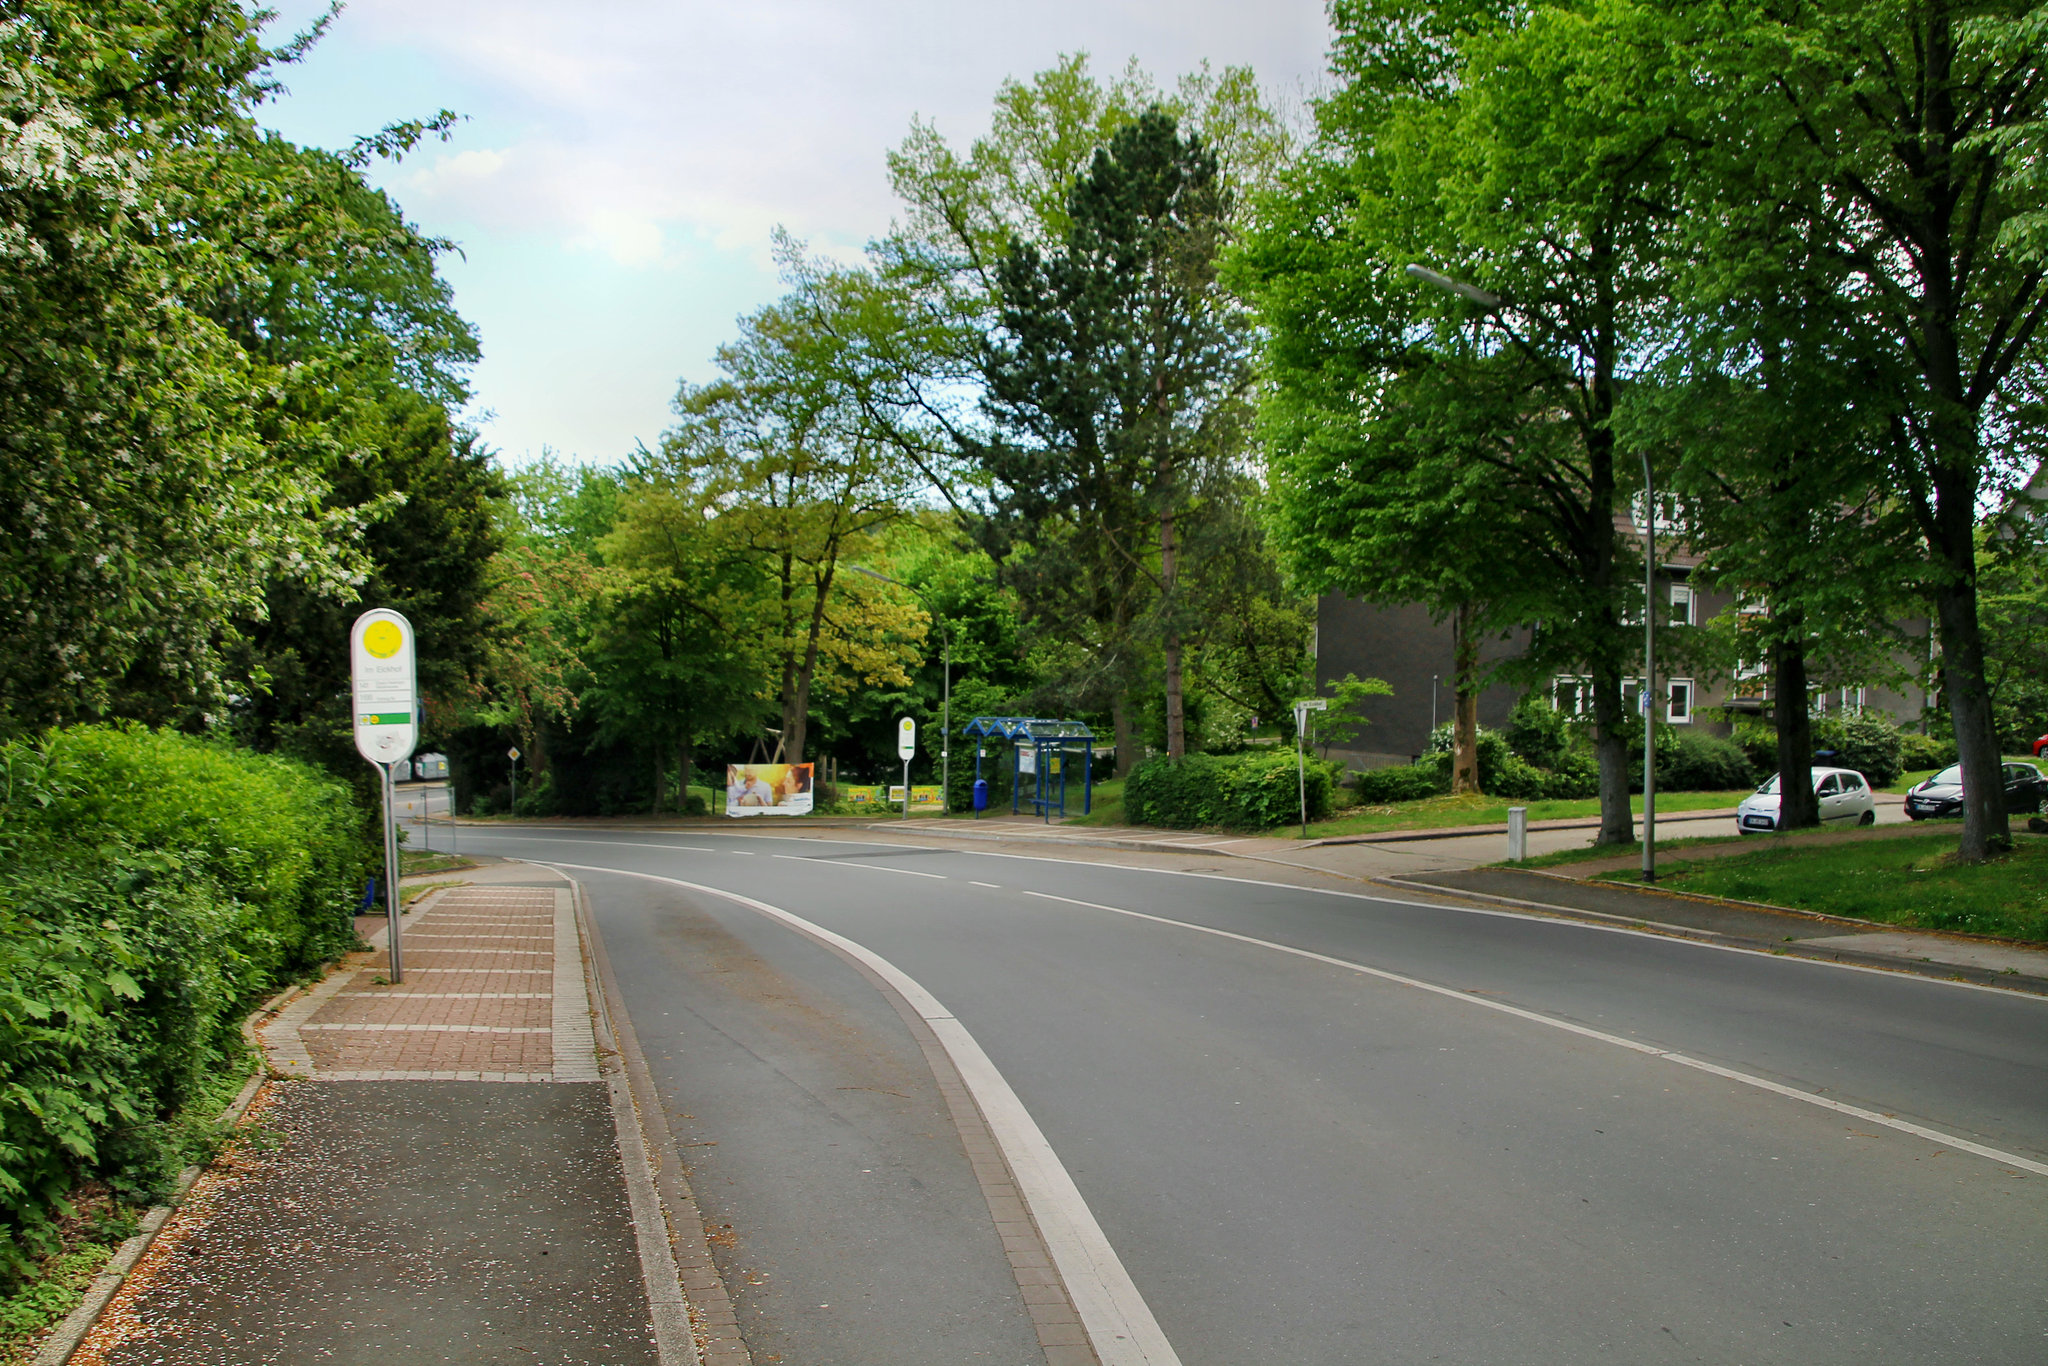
(1494, 304)
(946, 697)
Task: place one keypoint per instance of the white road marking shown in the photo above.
(1119, 1324)
(993, 887)
(1648, 1050)
(843, 863)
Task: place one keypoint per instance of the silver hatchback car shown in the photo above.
(1844, 800)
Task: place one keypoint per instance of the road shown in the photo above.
(1320, 1127)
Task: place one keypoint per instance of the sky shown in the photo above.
(622, 164)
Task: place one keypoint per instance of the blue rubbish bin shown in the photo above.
(980, 795)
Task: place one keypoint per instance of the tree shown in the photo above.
(1528, 152)
(799, 480)
(1116, 383)
(1905, 139)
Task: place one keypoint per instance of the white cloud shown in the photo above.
(671, 138)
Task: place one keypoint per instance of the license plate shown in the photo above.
(1756, 823)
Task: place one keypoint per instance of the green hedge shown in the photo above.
(1234, 791)
(1402, 783)
(153, 888)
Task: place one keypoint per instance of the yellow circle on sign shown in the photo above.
(382, 639)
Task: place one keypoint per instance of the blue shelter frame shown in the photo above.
(1050, 744)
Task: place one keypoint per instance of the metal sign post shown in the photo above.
(513, 755)
(1302, 709)
(386, 713)
(906, 746)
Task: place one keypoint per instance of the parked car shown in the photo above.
(1844, 800)
(1942, 795)
(2041, 746)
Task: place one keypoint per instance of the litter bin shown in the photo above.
(980, 795)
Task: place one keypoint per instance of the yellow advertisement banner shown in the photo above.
(768, 789)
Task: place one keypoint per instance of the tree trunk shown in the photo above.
(1176, 726)
(1797, 806)
(1126, 745)
(683, 748)
(1987, 829)
(660, 778)
(1610, 746)
(1465, 713)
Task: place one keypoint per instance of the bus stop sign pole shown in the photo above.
(385, 707)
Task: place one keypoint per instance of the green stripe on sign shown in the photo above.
(385, 718)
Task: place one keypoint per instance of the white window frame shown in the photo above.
(1578, 688)
(1672, 711)
(1684, 605)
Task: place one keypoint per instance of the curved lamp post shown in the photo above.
(1494, 304)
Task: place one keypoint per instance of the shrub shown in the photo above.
(1759, 742)
(1870, 743)
(1688, 761)
(1404, 783)
(153, 887)
(1538, 733)
(1917, 752)
(1240, 791)
(1503, 772)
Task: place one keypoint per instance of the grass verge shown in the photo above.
(99, 1221)
(1433, 813)
(1913, 882)
(413, 862)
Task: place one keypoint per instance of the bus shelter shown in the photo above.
(1046, 752)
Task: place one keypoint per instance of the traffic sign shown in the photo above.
(906, 739)
(384, 696)
(512, 753)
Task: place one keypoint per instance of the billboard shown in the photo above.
(768, 789)
(890, 797)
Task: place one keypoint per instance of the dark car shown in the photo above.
(2026, 792)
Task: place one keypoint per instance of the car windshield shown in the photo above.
(1952, 776)
(1769, 789)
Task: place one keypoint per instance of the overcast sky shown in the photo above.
(623, 162)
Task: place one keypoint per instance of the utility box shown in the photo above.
(430, 767)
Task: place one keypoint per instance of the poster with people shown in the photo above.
(768, 789)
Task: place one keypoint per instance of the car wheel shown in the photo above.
(1869, 818)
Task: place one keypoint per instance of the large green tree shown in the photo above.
(1529, 152)
(1116, 384)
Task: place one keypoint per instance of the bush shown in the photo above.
(1688, 761)
(1504, 772)
(1917, 752)
(1759, 743)
(1237, 792)
(1871, 744)
(153, 888)
(1404, 783)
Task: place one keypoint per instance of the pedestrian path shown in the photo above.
(442, 1172)
(493, 991)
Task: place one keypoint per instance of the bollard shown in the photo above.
(1518, 833)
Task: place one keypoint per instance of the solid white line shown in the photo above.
(1119, 1323)
(871, 867)
(993, 887)
(1648, 1050)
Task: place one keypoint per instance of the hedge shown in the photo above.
(153, 888)
(1234, 791)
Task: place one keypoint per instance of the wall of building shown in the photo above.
(1405, 647)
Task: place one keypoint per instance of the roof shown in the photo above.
(1028, 728)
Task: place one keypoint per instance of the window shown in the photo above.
(1830, 786)
(1572, 695)
(1682, 610)
(1679, 708)
(1853, 699)
(1852, 782)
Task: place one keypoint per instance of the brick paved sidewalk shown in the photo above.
(493, 991)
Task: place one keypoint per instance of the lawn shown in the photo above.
(1438, 812)
(1909, 881)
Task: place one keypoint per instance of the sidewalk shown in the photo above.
(443, 1173)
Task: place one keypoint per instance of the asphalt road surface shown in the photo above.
(1344, 1129)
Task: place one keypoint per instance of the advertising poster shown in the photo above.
(922, 798)
(768, 789)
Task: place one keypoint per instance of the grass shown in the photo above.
(413, 862)
(1633, 849)
(1913, 881)
(1439, 812)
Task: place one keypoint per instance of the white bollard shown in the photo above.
(1518, 833)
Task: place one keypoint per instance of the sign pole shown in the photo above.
(1302, 711)
(384, 697)
(906, 747)
(392, 909)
